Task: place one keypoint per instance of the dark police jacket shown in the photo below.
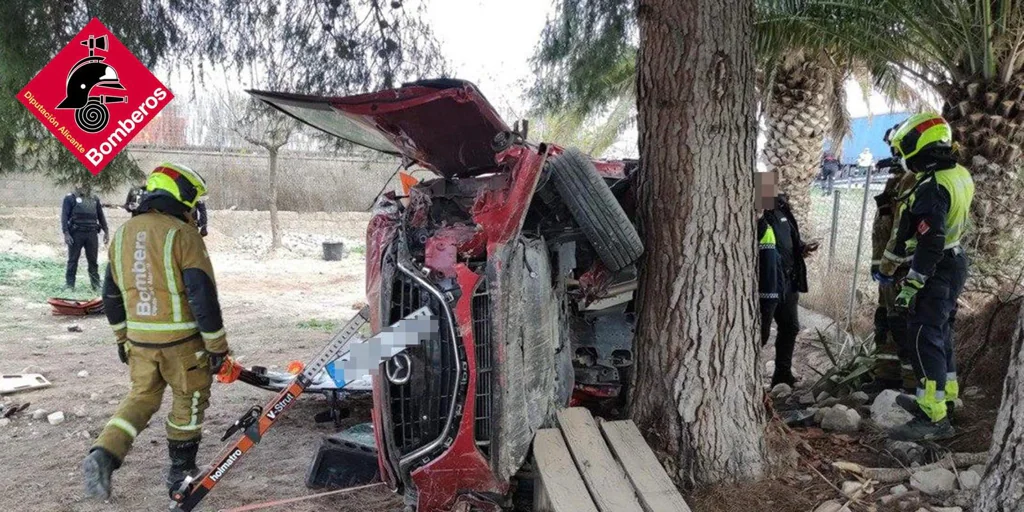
(82, 214)
(789, 245)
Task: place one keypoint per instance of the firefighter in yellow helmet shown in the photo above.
(931, 225)
(161, 301)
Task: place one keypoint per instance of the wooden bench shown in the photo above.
(583, 467)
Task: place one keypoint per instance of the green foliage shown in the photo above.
(849, 373)
(318, 325)
(358, 249)
(38, 278)
(310, 46)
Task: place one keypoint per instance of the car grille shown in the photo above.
(483, 338)
(420, 408)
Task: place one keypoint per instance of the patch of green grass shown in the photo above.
(317, 324)
(359, 249)
(40, 278)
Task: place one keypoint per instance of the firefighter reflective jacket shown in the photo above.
(934, 219)
(159, 288)
(892, 202)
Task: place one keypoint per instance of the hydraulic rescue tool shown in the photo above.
(257, 420)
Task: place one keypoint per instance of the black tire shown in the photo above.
(595, 209)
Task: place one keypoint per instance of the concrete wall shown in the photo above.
(307, 183)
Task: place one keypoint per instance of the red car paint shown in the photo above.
(449, 128)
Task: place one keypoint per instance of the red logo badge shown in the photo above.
(923, 228)
(95, 96)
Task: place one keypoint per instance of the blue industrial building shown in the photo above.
(867, 132)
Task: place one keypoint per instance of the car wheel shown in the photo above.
(594, 207)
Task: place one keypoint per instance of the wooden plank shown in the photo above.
(603, 476)
(558, 487)
(653, 486)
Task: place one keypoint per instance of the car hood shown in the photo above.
(444, 125)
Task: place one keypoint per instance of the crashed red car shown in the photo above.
(526, 253)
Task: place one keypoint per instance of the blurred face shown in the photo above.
(767, 184)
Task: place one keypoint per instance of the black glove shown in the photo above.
(886, 163)
(216, 361)
(122, 353)
(202, 231)
(68, 240)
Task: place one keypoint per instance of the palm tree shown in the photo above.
(803, 64)
(971, 54)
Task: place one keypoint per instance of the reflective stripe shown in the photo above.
(118, 327)
(898, 259)
(172, 280)
(876, 262)
(768, 295)
(952, 245)
(951, 376)
(157, 326)
(123, 425)
(193, 423)
(186, 428)
(118, 271)
(212, 335)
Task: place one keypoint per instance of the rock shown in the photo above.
(841, 407)
(83, 373)
(934, 482)
(111, 402)
(39, 414)
(79, 411)
(947, 509)
(55, 418)
(32, 369)
(899, 489)
(4, 422)
(832, 506)
(969, 480)
(822, 397)
(829, 402)
(781, 391)
(851, 488)
(885, 413)
(972, 392)
(805, 399)
(820, 414)
(94, 396)
(887, 499)
(74, 328)
(906, 452)
(841, 420)
(85, 434)
(856, 399)
(978, 468)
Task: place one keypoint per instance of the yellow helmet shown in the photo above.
(181, 182)
(919, 132)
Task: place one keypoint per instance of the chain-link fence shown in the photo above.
(839, 274)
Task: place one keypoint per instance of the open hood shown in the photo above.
(445, 125)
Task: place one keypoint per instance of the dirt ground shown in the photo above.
(265, 301)
(275, 308)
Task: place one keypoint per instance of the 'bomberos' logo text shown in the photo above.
(95, 96)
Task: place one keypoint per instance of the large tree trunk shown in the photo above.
(275, 225)
(1002, 488)
(988, 125)
(696, 393)
(796, 119)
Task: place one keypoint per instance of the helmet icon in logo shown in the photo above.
(91, 113)
(399, 368)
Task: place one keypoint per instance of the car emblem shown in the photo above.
(399, 368)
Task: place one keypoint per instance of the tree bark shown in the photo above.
(275, 226)
(696, 392)
(1002, 487)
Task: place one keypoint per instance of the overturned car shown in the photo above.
(527, 255)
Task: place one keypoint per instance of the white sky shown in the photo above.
(490, 42)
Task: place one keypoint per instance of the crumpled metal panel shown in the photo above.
(528, 340)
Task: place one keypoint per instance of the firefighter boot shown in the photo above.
(923, 429)
(930, 421)
(183, 462)
(98, 466)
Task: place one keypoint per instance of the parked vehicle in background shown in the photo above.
(525, 252)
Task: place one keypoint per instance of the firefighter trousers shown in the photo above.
(930, 334)
(185, 368)
(891, 336)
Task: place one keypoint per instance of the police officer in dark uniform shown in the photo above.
(791, 251)
(201, 217)
(81, 220)
(929, 233)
